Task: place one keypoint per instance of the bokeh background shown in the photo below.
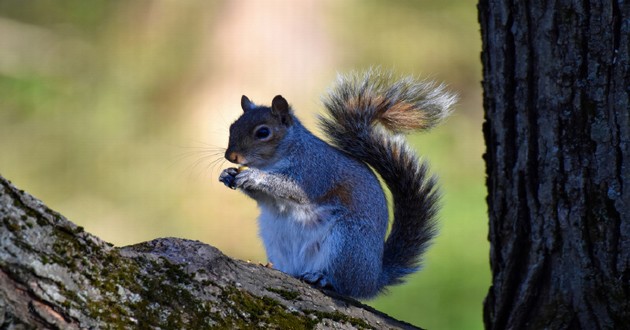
(115, 113)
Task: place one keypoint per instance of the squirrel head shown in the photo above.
(257, 133)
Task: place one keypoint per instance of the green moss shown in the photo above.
(251, 311)
(41, 221)
(256, 311)
(13, 226)
(164, 286)
(287, 295)
(208, 282)
(66, 247)
(166, 292)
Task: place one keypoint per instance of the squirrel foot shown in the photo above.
(317, 279)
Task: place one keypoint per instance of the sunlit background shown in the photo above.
(115, 114)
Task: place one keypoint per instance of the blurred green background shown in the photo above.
(115, 114)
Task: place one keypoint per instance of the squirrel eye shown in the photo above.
(262, 133)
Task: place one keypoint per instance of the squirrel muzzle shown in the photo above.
(234, 157)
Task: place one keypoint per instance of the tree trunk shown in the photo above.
(556, 82)
(55, 275)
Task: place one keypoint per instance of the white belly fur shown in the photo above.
(294, 237)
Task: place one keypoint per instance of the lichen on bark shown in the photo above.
(55, 275)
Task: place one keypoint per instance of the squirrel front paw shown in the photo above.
(247, 179)
(244, 178)
(228, 177)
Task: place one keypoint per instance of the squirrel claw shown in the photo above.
(317, 279)
(228, 177)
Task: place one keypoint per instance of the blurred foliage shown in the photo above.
(96, 119)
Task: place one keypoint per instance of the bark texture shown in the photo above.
(556, 79)
(55, 275)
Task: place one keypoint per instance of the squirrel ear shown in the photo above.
(246, 104)
(279, 105)
(280, 108)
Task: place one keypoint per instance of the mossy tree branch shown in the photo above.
(55, 275)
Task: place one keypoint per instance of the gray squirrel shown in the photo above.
(324, 215)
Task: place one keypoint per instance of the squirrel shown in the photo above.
(324, 215)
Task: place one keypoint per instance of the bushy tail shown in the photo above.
(368, 114)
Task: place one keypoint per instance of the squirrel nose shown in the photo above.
(232, 156)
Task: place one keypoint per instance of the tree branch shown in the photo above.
(55, 275)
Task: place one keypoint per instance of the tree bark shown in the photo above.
(55, 275)
(556, 80)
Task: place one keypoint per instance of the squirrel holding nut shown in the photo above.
(323, 213)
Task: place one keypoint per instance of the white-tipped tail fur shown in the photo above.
(401, 104)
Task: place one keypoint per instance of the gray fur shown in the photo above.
(323, 212)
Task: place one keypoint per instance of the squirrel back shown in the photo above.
(367, 116)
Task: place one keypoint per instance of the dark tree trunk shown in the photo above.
(556, 82)
(54, 275)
